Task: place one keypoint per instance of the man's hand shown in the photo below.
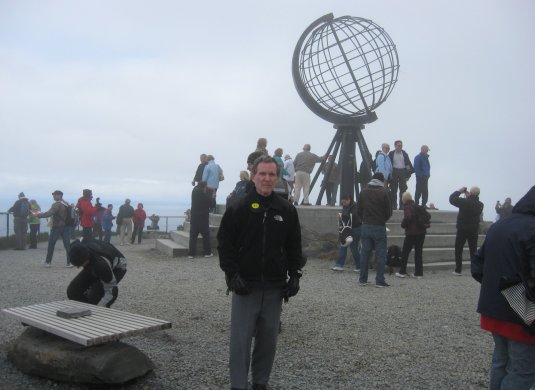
(238, 285)
(292, 287)
(462, 190)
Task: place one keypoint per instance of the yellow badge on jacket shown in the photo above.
(255, 205)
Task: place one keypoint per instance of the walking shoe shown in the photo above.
(209, 255)
(356, 270)
(401, 275)
(363, 284)
(191, 257)
(457, 273)
(69, 265)
(47, 265)
(336, 268)
(382, 284)
(417, 276)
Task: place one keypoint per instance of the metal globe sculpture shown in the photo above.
(343, 69)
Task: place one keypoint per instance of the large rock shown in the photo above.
(41, 353)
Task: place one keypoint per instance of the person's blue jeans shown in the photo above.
(55, 233)
(513, 364)
(371, 235)
(354, 246)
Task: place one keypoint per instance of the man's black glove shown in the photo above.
(292, 287)
(238, 285)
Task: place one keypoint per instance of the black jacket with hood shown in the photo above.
(260, 237)
(508, 250)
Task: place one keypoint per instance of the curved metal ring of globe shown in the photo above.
(345, 69)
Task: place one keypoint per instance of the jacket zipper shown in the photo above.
(263, 245)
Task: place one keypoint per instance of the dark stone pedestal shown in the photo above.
(40, 353)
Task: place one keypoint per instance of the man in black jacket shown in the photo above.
(103, 268)
(508, 254)
(259, 247)
(470, 209)
(201, 202)
(373, 208)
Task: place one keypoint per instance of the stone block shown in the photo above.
(40, 353)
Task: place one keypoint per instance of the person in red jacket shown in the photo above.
(87, 213)
(139, 223)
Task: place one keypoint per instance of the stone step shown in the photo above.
(182, 238)
(431, 240)
(170, 247)
(436, 228)
(213, 229)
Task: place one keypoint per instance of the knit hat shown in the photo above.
(21, 195)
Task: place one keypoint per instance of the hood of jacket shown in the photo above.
(526, 205)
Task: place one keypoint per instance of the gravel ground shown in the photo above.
(417, 334)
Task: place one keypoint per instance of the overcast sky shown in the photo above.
(122, 96)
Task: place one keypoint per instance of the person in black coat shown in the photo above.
(201, 202)
(470, 209)
(506, 258)
(103, 268)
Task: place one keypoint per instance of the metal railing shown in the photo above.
(171, 222)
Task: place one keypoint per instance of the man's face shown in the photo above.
(345, 202)
(56, 197)
(399, 145)
(265, 178)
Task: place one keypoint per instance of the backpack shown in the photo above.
(423, 218)
(393, 256)
(70, 218)
(344, 229)
(24, 208)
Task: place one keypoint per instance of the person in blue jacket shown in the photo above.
(422, 169)
(107, 222)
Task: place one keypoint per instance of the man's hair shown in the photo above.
(244, 176)
(406, 197)
(398, 140)
(306, 147)
(278, 152)
(266, 160)
(378, 176)
(261, 143)
(475, 191)
(253, 156)
(78, 254)
(346, 197)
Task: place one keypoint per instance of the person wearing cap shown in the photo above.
(58, 212)
(374, 209)
(103, 268)
(21, 211)
(87, 211)
(124, 220)
(422, 169)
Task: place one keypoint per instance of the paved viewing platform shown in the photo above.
(416, 334)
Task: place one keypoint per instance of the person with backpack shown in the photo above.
(61, 214)
(103, 268)
(240, 190)
(348, 226)
(415, 221)
(21, 211)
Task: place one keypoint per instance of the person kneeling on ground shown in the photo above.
(103, 268)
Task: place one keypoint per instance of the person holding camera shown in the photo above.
(504, 210)
(470, 209)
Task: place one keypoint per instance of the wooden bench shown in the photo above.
(101, 326)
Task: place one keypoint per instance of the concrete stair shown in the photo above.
(178, 243)
(438, 252)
